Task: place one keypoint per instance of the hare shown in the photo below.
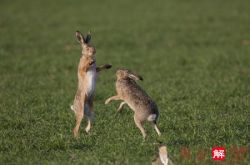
(87, 74)
(162, 156)
(137, 99)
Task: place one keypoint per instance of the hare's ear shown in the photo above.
(80, 37)
(88, 38)
(135, 76)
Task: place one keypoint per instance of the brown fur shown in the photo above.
(87, 72)
(138, 100)
(162, 157)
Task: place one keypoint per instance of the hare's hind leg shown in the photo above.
(139, 125)
(89, 114)
(152, 118)
(78, 109)
(156, 129)
(79, 117)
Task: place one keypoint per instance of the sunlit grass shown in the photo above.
(194, 57)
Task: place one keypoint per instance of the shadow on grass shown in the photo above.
(81, 146)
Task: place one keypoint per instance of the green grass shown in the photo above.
(194, 57)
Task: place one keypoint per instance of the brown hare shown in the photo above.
(87, 73)
(162, 156)
(137, 99)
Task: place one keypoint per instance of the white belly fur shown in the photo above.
(91, 81)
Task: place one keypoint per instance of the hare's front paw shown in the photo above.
(108, 66)
(107, 101)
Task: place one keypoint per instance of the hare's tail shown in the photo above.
(152, 117)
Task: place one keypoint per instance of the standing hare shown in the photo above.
(87, 73)
(137, 99)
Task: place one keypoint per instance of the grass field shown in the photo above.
(194, 57)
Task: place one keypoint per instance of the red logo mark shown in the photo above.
(218, 153)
